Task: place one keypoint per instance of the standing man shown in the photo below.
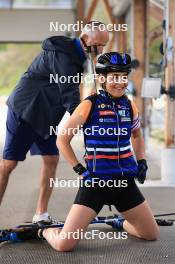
(36, 104)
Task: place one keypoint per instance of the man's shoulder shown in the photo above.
(65, 47)
(58, 44)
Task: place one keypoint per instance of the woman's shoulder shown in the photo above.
(84, 108)
(92, 97)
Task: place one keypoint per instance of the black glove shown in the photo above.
(82, 171)
(142, 168)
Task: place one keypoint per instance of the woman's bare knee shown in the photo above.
(77, 221)
(141, 222)
(151, 236)
(65, 245)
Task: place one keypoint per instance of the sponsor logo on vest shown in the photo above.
(121, 112)
(106, 112)
(124, 113)
(125, 119)
(123, 107)
(105, 119)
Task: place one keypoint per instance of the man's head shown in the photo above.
(114, 67)
(94, 37)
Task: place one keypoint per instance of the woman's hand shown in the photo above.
(142, 169)
(139, 150)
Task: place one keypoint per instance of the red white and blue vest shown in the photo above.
(107, 136)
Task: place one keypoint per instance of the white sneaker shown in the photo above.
(44, 219)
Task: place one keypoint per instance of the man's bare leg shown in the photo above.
(48, 171)
(6, 167)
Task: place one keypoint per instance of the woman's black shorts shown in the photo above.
(123, 198)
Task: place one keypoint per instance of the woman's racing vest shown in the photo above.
(107, 135)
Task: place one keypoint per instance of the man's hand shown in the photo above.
(142, 169)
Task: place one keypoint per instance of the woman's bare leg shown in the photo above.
(79, 218)
(140, 222)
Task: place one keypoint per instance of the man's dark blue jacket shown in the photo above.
(37, 101)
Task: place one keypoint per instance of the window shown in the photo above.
(40, 4)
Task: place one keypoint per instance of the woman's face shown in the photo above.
(116, 83)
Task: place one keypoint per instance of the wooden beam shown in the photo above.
(122, 36)
(111, 43)
(139, 30)
(91, 10)
(155, 33)
(80, 17)
(113, 21)
(156, 12)
(170, 80)
(109, 11)
(80, 9)
(80, 12)
(155, 37)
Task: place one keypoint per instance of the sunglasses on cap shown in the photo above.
(120, 59)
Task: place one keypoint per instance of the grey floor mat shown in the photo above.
(131, 250)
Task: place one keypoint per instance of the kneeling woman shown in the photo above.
(109, 121)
